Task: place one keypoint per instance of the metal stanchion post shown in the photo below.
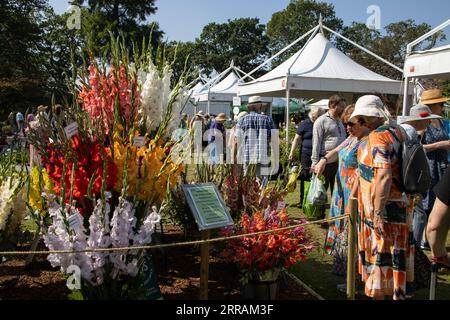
(351, 259)
(433, 281)
(204, 266)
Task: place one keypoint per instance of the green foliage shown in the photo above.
(21, 80)
(391, 46)
(242, 40)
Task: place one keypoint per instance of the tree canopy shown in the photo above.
(35, 55)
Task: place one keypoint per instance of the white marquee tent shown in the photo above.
(217, 95)
(433, 63)
(319, 70)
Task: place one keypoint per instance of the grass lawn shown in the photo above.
(316, 271)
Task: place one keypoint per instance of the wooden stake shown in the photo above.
(351, 259)
(204, 266)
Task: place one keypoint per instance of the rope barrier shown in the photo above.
(171, 245)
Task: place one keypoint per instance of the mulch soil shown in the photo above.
(177, 270)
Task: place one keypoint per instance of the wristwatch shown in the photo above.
(324, 158)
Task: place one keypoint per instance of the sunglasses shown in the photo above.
(349, 124)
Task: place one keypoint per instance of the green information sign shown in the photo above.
(207, 206)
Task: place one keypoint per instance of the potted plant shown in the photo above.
(260, 258)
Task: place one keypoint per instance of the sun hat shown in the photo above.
(433, 96)
(418, 112)
(221, 117)
(200, 114)
(254, 99)
(370, 106)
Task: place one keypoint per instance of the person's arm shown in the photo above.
(295, 143)
(383, 183)
(316, 142)
(383, 146)
(441, 145)
(331, 156)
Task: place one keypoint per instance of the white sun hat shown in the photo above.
(370, 106)
(418, 112)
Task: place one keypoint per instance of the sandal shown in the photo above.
(442, 262)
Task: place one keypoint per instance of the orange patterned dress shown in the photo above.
(386, 263)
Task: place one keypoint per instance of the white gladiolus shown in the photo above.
(155, 95)
(119, 232)
(8, 193)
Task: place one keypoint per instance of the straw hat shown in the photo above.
(200, 114)
(433, 96)
(418, 112)
(221, 117)
(369, 106)
(241, 115)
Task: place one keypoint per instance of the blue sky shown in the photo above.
(183, 20)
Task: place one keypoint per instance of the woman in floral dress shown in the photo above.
(336, 240)
(385, 241)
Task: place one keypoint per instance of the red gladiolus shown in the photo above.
(88, 157)
(99, 98)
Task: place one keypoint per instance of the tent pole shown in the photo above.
(410, 46)
(280, 52)
(214, 80)
(288, 98)
(209, 101)
(405, 97)
(243, 73)
(365, 50)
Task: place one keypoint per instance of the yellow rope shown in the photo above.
(169, 245)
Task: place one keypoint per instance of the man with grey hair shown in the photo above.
(329, 133)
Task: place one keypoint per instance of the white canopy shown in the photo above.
(196, 89)
(323, 104)
(223, 91)
(317, 71)
(434, 63)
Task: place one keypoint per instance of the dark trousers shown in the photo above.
(330, 175)
(305, 175)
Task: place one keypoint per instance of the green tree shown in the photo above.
(57, 47)
(391, 45)
(129, 18)
(22, 82)
(299, 17)
(242, 40)
(184, 56)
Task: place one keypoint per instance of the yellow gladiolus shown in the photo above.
(148, 171)
(39, 181)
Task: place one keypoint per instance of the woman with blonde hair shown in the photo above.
(386, 254)
(304, 139)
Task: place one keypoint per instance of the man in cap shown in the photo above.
(253, 132)
(329, 133)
